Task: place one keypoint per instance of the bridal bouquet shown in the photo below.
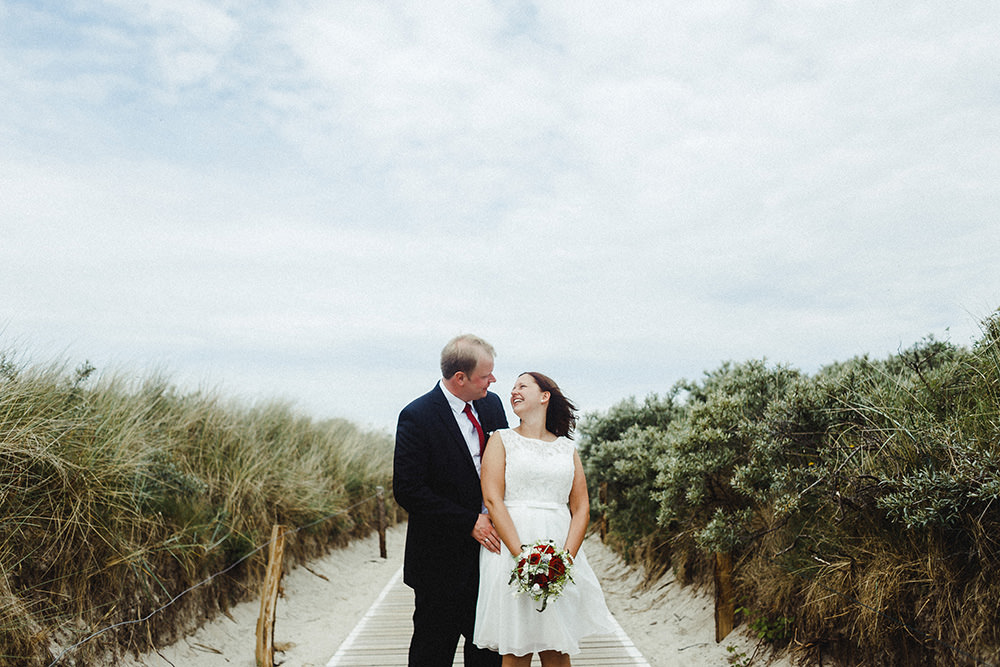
(541, 571)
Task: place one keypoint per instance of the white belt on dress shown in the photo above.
(536, 504)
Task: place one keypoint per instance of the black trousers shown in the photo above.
(439, 619)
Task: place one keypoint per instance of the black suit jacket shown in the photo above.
(435, 481)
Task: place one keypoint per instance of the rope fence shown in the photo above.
(209, 579)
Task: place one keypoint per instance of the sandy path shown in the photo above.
(670, 625)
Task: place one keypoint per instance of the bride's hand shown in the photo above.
(484, 533)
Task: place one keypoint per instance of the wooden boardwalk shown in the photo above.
(382, 637)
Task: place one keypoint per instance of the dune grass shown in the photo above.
(117, 494)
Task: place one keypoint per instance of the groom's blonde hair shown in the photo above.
(462, 353)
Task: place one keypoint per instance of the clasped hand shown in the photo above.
(484, 533)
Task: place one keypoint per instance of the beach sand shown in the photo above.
(672, 626)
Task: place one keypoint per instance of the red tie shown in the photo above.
(479, 429)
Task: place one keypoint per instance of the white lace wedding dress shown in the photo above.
(538, 479)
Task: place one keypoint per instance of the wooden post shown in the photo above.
(602, 496)
(269, 598)
(380, 496)
(725, 605)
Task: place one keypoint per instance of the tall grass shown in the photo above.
(863, 501)
(116, 495)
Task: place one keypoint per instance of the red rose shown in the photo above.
(556, 568)
(540, 579)
(535, 558)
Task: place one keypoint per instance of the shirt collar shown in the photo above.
(457, 404)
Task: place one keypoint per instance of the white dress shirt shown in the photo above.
(464, 425)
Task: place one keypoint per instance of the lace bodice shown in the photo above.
(537, 471)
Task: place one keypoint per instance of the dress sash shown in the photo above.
(536, 504)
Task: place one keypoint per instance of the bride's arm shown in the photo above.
(579, 508)
(492, 478)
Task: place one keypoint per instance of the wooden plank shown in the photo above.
(382, 637)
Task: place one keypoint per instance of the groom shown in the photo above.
(436, 480)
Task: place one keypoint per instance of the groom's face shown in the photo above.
(477, 384)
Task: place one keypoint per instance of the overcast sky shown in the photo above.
(305, 200)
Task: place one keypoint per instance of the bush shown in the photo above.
(861, 501)
(621, 450)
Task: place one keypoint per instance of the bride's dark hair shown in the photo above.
(560, 418)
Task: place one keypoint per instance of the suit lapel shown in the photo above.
(485, 416)
(455, 437)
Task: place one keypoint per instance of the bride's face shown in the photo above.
(527, 395)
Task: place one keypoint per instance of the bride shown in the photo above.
(534, 488)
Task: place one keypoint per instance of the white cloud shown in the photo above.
(312, 198)
(189, 37)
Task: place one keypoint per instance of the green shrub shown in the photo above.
(621, 450)
(861, 500)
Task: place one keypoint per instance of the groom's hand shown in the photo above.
(485, 534)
